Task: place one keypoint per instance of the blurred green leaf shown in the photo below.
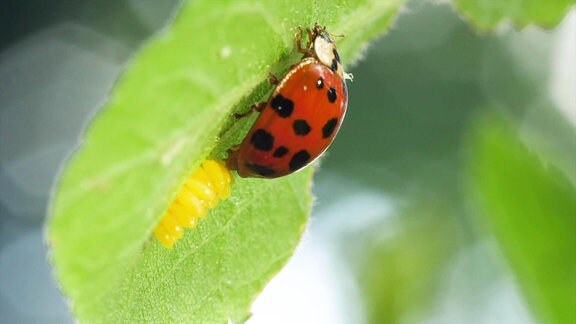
(169, 111)
(531, 209)
(399, 275)
(488, 14)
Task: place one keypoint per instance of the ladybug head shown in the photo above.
(325, 51)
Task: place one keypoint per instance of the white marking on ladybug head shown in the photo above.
(327, 53)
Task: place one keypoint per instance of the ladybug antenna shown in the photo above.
(349, 76)
(341, 35)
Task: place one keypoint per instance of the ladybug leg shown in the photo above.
(311, 35)
(300, 35)
(232, 159)
(299, 42)
(273, 79)
(259, 107)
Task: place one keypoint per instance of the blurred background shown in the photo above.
(398, 233)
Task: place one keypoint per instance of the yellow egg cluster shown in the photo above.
(209, 184)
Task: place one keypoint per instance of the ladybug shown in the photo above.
(302, 116)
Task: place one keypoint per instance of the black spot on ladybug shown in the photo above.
(320, 83)
(336, 55)
(260, 169)
(334, 66)
(283, 106)
(326, 38)
(329, 127)
(332, 95)
(280, 152)
(262, 140)
(299, 160)
(301, 127)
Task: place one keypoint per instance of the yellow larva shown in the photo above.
(209, 184)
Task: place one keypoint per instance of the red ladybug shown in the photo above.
(302, 115)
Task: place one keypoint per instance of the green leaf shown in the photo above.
(399, 274)
(531, 209)
(169, 111)
(488, 14)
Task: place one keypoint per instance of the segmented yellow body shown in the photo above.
(209, 184)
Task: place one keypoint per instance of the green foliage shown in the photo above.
(488, 14)
(170, 110)
(400, 274)
(531, 209)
